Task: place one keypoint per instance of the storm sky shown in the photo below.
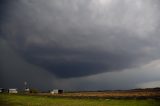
(80, 44)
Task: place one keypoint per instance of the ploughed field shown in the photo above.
(28, 100)
(115, 94)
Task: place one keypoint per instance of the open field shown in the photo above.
(26, 100)
(115, 94)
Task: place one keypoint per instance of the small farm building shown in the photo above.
(12, 91)
(1, 90)
(27, 90)
(56, 91)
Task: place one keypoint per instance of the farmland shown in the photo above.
(19, 100)
(28, 100)
(111, 94)
(137, 97)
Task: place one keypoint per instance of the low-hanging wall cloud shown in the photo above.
(75, 38)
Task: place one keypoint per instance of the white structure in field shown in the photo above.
(1, 90)
(27, 90)
(56, 91)
(12, 91)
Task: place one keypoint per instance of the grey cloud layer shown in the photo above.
(74, 38)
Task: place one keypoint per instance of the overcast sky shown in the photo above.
(80, 44)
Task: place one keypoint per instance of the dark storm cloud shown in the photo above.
(14, 70)
(3, 6)
(74, 38)
(73, 63)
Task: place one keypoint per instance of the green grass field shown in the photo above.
(21, 100)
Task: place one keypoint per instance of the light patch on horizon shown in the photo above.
(152, 84)
(145, 76)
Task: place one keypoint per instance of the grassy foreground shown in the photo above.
(21, 100)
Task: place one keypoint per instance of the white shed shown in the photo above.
(26, 89)
(1, 90)
(12, 90)
(56, 91)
